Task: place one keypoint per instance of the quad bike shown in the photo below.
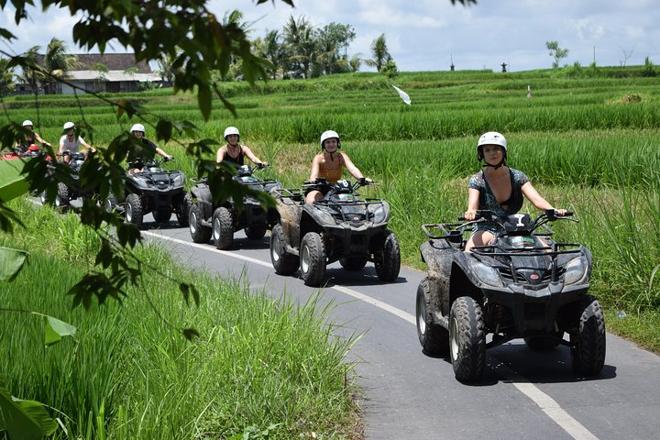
(154, 190)
(341, 227)
(67, 193)
(524, 285)
(208, 219)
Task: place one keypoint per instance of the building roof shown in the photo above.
(113, 61)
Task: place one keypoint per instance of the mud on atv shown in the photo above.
(154, 190)
(341, 227)
(523, 286)
(208, 219)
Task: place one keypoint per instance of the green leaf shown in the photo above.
(24, 419)
(185, 291)
(11, 262)
(190, 333)
(12, 183)
(56, 329)
(204, 100)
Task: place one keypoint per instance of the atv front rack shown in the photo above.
(537, 251)
(288, 196)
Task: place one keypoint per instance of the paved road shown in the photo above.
(409, 395)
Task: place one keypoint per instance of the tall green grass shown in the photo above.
(127, 374)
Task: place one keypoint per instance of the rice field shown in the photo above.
(582, 141)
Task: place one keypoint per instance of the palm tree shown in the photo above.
(380, 53)
(6, 78)
(58, 63)
(273, 51)
(30, 76)
(300, 45)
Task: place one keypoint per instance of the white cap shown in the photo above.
(137, 127)
(28, 122)
(68, 125)
(329, 134)
(231, 130)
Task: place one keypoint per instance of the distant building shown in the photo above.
(111, 72)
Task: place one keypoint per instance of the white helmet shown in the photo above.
(491, 138)
(137, 127)
(68, 125)
(329, 134)
(231, 130)
(28, 123)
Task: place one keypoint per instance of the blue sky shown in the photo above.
(421, 34)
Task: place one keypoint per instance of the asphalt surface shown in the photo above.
(407, 394)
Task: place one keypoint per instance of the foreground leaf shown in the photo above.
(24, 419)
(11, 262)
(56, 330)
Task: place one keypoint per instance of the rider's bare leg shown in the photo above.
(480, 238)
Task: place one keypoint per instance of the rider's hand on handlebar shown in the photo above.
(470, 215)
(562, 213)
(262, 165)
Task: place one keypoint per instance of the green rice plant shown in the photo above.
(128, 373)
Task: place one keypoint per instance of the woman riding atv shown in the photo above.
(235, 153)
(29, 139)
(497, 188)
(70, 142)
(148, 150)
(329, 164)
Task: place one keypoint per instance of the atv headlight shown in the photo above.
(178, 180)
(378, 212)
(485, 274)
(325, 215)
(575, 270)
(141, 182)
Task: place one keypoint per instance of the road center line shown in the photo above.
(547, 404)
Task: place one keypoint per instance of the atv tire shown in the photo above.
(284, 263)
(433, 337)
(223, 228)
(388, 258)
(134, 212)
(62, 198)
(467, 339)
(255, 232)
(353, 263)
(183, 211)
(312, 259)
(198, 232)
(110, 203)
(588, 341)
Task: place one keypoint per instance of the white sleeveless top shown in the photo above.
(73, 146)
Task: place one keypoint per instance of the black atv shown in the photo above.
(525, 285)
(341, 227)
(208, 219)
(67, 193)
(154, 190)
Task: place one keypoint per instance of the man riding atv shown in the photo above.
(146, 150)
(71, 142)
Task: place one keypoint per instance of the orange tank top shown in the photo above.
(334, 172)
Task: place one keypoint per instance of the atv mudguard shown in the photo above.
(202, 195)
(290, 213)
(447, 273)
